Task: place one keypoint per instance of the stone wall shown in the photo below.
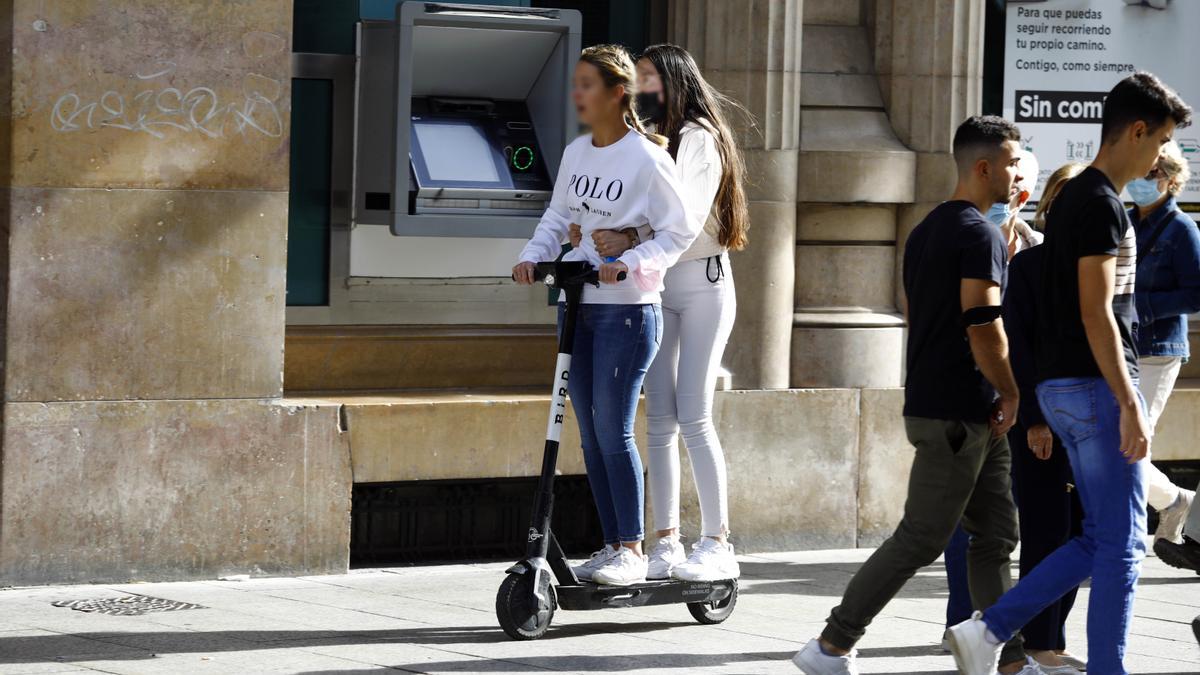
(146, 208)
(808, 468)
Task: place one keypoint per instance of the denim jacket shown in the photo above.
(1168, 281)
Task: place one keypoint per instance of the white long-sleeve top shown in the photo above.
(628, 184)
(699, 163)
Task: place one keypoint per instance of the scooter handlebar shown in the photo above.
(588, 276)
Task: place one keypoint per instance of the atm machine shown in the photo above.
(463, 112)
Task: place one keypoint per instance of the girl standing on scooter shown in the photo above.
(698, 307)
(615, 178)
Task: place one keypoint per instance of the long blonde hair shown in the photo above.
(1054, 184)
(617, 69)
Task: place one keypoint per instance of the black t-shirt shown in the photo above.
(1087, 219)
(953, 243)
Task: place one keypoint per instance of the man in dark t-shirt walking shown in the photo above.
(960, 400)
(1087, 368)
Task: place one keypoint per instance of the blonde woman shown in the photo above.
(1167, 290)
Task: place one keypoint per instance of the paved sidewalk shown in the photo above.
(440, 620)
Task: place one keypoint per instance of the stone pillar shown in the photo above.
(750, 49)
(147, 206)
(929, 59)
(853, 173)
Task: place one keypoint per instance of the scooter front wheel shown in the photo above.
(712, 613)
(517, 608)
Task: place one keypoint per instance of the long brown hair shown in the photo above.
(688, 97)
(1054, 184)
(617, 69)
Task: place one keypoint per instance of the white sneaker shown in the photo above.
(599, 559)
(946, 642)
(1031, 668)
(1172, 518)
(623, 569)
(974, 653)
(812, 660)
(667, 553)
(710, 561)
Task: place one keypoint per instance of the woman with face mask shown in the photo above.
(1168, 289)
(698, 311)
(617, 177)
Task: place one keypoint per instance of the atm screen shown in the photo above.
(461, 152)
(450, 152)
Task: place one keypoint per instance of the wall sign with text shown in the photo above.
(1061, 57)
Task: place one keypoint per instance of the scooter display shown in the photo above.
(543, 581)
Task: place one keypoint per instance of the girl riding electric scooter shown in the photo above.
(614, 178)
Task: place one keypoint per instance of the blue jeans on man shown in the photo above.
(1084, 413)
(614, 345)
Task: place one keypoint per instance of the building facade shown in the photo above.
(196, 383)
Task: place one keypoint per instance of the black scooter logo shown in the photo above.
(534, 535)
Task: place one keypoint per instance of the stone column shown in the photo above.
(750, 49)
(929, 58)
(853, 173)
(147, 213)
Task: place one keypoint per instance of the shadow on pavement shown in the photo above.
(585, 664)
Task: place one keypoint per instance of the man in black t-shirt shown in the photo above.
(960, 400)
(1087, 366)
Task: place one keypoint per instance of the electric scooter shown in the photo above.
(529, 596)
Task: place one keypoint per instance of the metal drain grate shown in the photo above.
(129, 605)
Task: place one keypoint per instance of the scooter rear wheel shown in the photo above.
(517, 609)
(712, 613)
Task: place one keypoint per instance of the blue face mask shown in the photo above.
(1143, 192)
(999, 213)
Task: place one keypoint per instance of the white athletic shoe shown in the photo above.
(623, 569)
(710, 561)
(1031, 668)
(599, 559)
(667, 553)
(1172, 518)
(946, 642)
(974, 653)
(812, 660)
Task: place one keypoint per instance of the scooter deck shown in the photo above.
(667, 592)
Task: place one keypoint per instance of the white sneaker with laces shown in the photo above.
(1172, 518)
(1031, 668)
(623, 569)
(667, 554)
(710, 561)
(599, 559)
(973, 651)
(813, 660)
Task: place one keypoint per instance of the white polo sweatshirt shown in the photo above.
(632, 183)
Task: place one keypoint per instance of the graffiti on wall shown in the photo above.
(157, 108)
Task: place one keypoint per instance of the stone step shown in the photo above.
(833, 12)
(362, 358)
(852, 155)
(836, 49)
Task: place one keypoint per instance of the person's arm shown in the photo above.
(1097, 279)
(667, 213)
(989, 346)
(699, 163)
(1185, 260)
(1020, 320)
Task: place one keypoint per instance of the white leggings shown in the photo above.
(1157, 375)
(697, 318)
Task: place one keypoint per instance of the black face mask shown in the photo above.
(650, 108)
